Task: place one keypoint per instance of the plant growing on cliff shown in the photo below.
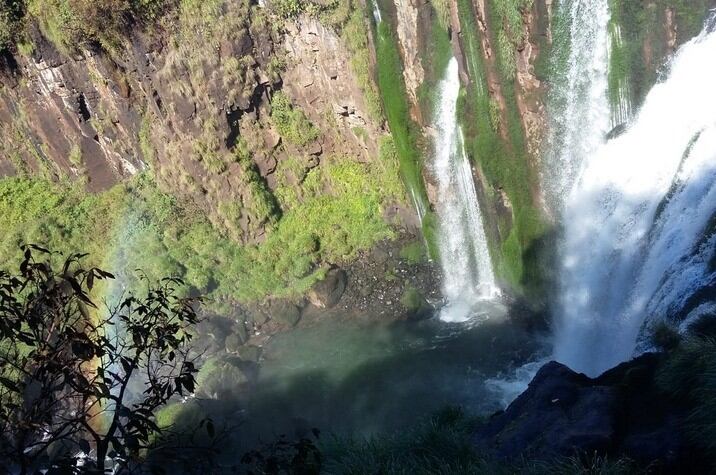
(75, 380)
(291, 122)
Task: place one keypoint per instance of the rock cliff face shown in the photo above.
(191, 97)
(182, 99)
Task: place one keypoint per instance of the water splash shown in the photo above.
(581, 115)
(467, 268)
(639, 223)
(508, 388)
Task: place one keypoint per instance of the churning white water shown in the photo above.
(638, 237)
(580, 95)
(464, 256)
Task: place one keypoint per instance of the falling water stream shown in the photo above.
(639, 238)
(579, 108)
(467, 269)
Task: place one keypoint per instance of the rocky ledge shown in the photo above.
(618, 414)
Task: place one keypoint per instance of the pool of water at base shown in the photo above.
(346, 376)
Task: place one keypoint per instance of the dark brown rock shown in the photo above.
(328, 292)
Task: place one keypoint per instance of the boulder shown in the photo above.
(284, 312)
(559, 414)
(232, 343)
(328, 292)
(563, 413)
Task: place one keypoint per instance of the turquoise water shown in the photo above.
(343, 375)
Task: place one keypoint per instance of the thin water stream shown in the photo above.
(468, 277)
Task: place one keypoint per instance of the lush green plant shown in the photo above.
(355, 35)
(340, 212)
(291, 122)
(288, 8)
(70, 24)
(511, 31)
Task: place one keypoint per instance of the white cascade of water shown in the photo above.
(464, 256)
(580, 95)
(638, 238)
(377, 16)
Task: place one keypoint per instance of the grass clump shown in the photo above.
(510, 32)
(291, 122)
(339, 215)
(442, 445)
(689, 376)
(413, 253)
(71, 24)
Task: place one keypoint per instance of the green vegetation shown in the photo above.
(337, 211)
(219, 377)
(395, 105)
(510, 31)
(289, 8)
(413, 253)
(442, 11)
(11, 12)
(688, 376)
(635, 27)
(495, 140)
(412, 300)
(71, 24)
(442, 444)
(64, 376)
(434, 59)
(291, 122)
(145, 138)
(354, 34)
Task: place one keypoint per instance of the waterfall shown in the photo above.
(465, 259)
(640, 220)
(579, 102)
(377, 16)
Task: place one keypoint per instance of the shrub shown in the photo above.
(291, 123)
(70, 24)
(288, 8)
(11, 12)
